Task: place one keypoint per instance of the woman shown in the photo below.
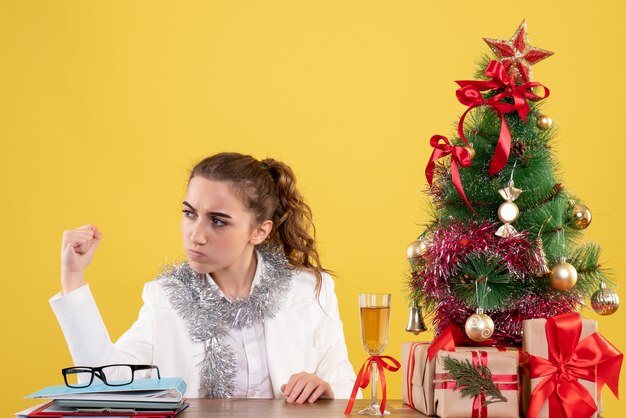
(251, 313)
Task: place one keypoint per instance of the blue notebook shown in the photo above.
(168, 390)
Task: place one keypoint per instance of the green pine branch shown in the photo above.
(481, 65)
(483, 281)
(586, 261)
(471, 380)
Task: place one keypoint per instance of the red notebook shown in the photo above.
(51, 410)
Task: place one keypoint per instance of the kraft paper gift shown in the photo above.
(417, 377)
(418, 374)
(449, 403)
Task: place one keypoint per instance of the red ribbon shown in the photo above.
(470, 95)
(447, 340)
(499, 379)
(363, 379)
(458, 156)
(453, 337)
(593, 359)
(479, 406)
(501, 386)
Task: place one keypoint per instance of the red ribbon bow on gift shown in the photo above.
(447, 341)
(470, 95)
(453, 337)
(363, 379)
(458, 156)
(593, 359)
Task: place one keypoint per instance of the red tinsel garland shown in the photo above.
(450, 245)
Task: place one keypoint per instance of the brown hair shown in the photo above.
(268, 189)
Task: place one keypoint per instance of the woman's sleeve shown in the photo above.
(87, 337)
(334, 365)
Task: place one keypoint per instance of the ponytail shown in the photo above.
(293, 220)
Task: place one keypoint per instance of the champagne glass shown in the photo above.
(374, 335)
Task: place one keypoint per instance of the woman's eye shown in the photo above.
(188, 213)
(219, 222)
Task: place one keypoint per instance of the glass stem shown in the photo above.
(374, 383)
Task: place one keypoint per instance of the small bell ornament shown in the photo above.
(605, 301)
(416, 321)
(479, 326)
(542, 267)
(563, 275)
(508, 212)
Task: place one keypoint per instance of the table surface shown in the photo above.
(279, 408)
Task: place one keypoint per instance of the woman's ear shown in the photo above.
(261, 232)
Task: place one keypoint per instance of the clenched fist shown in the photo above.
(77, 250)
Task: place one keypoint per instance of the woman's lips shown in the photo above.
(195, 254)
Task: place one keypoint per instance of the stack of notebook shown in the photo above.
(147, 398)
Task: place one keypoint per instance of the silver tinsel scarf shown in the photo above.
(210, 316)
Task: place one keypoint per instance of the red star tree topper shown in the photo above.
(516, 54)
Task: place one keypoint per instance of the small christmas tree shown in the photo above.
(503, 243)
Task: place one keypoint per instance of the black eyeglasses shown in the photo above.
(110, 375)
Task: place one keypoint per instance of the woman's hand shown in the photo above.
(303, 387)
(77, 250)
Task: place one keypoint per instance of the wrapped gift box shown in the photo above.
(418, 374)
(449, 403)
(417, 377)
(534, 342)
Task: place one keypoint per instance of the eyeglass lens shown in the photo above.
(78, 377)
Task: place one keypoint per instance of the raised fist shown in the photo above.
(77, 250)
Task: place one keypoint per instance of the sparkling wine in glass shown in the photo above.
(374, 335)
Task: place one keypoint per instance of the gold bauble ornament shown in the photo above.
(579, 216)
(605, 301)
(544, 122)
(508, 212)
(417, 248)
(479, 326)
(471, 150)
(563, 275)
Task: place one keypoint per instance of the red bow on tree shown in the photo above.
(470, 95)
(458, 156)
(593, 359)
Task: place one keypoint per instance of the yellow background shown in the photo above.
(104, 106)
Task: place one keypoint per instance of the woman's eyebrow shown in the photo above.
(189, 206)
(220, 214)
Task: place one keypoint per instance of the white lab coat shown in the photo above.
(305, 335)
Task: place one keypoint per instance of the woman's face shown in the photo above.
(218, 230)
